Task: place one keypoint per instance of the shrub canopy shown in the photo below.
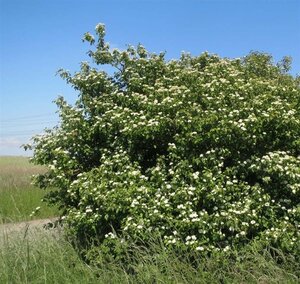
(202, 150)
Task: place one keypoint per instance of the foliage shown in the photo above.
(204, 151)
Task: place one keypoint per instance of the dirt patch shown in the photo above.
(26, 225)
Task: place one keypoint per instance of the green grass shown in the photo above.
(18, 198)
(41, 256)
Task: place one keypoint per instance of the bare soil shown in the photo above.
(26, 225)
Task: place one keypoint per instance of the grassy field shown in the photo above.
(18, 198)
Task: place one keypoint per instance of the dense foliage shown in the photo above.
(204, 151)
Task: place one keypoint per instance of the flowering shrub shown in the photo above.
(202, 150)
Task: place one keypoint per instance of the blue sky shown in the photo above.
(39, 37)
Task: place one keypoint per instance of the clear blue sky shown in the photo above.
(38, 37)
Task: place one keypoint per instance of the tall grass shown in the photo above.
(39, 256)
(18, 198)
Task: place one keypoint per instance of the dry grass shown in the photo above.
(16, 172)
(18, 198)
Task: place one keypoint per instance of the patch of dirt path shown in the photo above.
(25, 226)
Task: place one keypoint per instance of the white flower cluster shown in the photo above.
(202, 150)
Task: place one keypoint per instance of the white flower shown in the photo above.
(172, 145)
(200, 248)
(135, 173)
(88, 210)
(195, 175)
(110, 235)
(193, 215)
(226, 248)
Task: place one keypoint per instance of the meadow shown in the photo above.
(18, 198)
(47, 256)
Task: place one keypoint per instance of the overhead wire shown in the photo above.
(29, 117)
(27, 125)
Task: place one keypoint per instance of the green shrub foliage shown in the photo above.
(203, 150)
